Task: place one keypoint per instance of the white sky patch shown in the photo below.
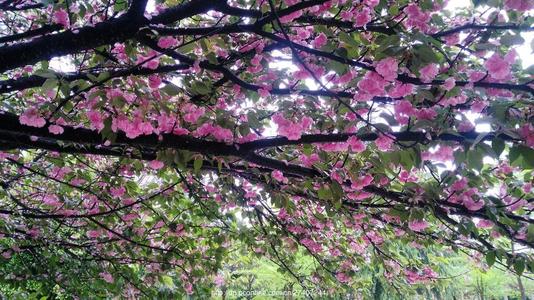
(62, 64)
(150, 6)
(453, 5)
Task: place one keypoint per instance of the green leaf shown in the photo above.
(50, 84)
(425, 54)
(337, 190)
(197, 164)
(519, 266)
(521, 155)
(200, 88)
(474, 159)
(186, 48)
(324, 193)
(490, 258)
(167, 281)
(498, 145)
(530, 233)
(171, 89)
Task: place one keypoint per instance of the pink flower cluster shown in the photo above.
(466, 196)
(312, 245)
(32, 117)
(527, 133)
(309, 160)
(192, 112)
(417, 225)
(132, 128)
(167, 42)
(292, 131)
(279, 176)
(218, 132)
(384, 143)
(498, 68)
(61, 17)
(355, 144)
(520, 5)
(428, 72)
(417, 18)
(443, 153)
(319, 41)
(414, 277)
(371, 85)
(388, 68)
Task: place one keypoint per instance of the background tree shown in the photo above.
(143, 141)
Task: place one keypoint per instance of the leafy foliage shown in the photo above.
(354, 144)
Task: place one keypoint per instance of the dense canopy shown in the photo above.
(143, 142)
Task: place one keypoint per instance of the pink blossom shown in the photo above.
(478, 106)
(156, 164)
(279, 176)
(429, 72)
(497, 67)
(403, 111)
(120, 51)
(371, 3)
(55, 129)
(383, 142)
(362, 17)
(309, 160)
(334, 147)
(61, 17)
(51, 200)
(372, 84)
(129, 217)
(388, 68)
(117, 192)
(527, 133)
(290, 17)
(459, 185)
(417, 225)
(401, 90)
(134, 128)
(31, 117)
(452, 39)
(527, 188)
(473, 205)
(154, 81)
(355, 144)
(520, 5)
(426, 113)
(167, 42)
(292, 131)
(96, 119)
(264, 92)
(449, 84)
(93, 233)
(256, 60)
(417, 18)
(362, 182)
(466, 126)
(150, 62)
(443, 153)
(193, 113)
(219, 280)
(282, 214)
(107, 277)
(485, 224)
(218, 132)
(319, 41)
(342, 277)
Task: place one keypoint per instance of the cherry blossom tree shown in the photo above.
(140, 142)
